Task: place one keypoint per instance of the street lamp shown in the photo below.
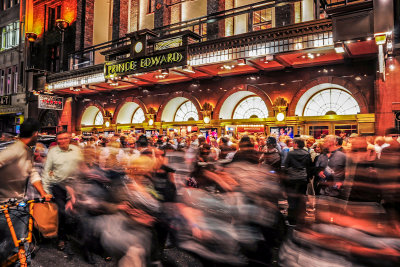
(31, 38)
(62, 25)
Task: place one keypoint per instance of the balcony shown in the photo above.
(236, 21)
(266, 44)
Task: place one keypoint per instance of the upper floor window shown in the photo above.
(53, 14)
(262, 19)
(15, 80)
(8, 81)
(2, 72)
(10, 35)
(151, 5)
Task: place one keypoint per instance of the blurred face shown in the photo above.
(317, 149)
(63, 141)
(329, 142)
(262, 142)
(309, 144)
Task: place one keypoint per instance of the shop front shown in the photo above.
(10, 119)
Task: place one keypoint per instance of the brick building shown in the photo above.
(229, 66)
(12, 94)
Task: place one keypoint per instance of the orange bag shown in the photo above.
(45, 216)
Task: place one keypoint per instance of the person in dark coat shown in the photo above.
(298, 172)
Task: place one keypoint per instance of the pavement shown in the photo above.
(47, 255)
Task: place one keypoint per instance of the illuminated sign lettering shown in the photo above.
(143, 64)
(50, 102)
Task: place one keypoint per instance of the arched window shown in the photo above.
(331, 102)
(250, 107)
(186, 112)
(98, 120)
(138, 116)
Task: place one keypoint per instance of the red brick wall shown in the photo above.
(387, 98)
(66, 115)
(123, 17)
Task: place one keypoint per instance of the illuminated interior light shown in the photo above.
(280, 116)
(380, 39)
(339, 48)
(188, 69)
(241, 62)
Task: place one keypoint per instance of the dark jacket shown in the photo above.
(298, 165)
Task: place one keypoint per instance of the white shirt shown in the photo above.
(61, 165)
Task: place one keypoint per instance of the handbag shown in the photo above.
(45, 216)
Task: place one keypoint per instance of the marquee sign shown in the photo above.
(143, 64)
(50, 102)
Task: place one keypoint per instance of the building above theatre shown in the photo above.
(317, 67)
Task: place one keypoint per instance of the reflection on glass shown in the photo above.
(187, 112)
(138, 116)
(331, 102)
(251, 107)
(98, 120)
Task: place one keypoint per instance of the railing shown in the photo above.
(325, 4)
(207, 27)
(91, 56)
(254, 17)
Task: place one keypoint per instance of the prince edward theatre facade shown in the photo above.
(231, 66)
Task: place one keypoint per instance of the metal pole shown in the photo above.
(62, 51)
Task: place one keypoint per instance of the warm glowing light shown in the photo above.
(339, 48)
(206, 119)
(31, 36)
(107, 124)
(151, 122)
(280, 116)
(380, 39)
(189, 128)
(241, 62)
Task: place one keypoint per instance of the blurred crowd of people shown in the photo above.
(219, 199)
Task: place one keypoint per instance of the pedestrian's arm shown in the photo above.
(7, 156)
(287, 159)
(309, 167)
(39, 187)
(48, 166)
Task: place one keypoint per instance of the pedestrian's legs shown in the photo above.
(296, 191)
(60, 198)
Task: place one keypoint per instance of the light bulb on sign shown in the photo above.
(206, 119)
(107, 124)
(151, 122)
(280, 116)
